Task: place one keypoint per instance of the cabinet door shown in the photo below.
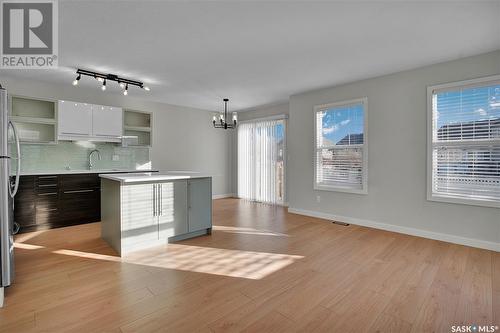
(139, 225)
(200, 204)
(24, 202)
(74, 119)
(173, 212)
(107, 121)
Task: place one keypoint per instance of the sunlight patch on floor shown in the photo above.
(88, 255)
(25, 246)
(233, 263)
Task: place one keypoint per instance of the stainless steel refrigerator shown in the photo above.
(9, 183)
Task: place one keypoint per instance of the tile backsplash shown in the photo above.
(73, 155)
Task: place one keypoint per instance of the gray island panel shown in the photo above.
(145, 210)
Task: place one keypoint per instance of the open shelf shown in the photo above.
(35, 133)
(138, 124)
(137, 128)
(33, 108)
(143, 138)
(35, 119)
(134, 118)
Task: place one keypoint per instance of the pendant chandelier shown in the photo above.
(222, 121)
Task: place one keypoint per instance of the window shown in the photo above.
(261, 160)
(464, 142)
(340, 159)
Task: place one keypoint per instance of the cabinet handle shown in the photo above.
(45, 194)
(78, 191)
(154, 199)
(108, 136)
(46, 177)
(161, 200)
(71, 133)
(48, 185)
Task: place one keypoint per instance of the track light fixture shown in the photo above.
(101, 77)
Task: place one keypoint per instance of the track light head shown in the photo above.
(122, 85)
(125, 92)
(146, 88)
(103, 85)
(75, 82)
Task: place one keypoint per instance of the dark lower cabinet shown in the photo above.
(52, 201)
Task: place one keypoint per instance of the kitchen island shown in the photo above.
(142, 210)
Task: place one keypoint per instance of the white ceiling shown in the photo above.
(258, 53)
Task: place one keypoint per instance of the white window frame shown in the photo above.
(332, 188)
(431, 196)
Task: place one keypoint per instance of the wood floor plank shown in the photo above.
(408, 299)
(475, 303)
(389, 324)
(437, 313)
(261, 270)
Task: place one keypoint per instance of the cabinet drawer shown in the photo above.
(47, 217)
(78, 203)
(26, 183)
(79, 182)
(48, 179)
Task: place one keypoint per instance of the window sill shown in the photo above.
(339, 189)
(462, 201)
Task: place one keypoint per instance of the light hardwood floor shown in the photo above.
(261, 270)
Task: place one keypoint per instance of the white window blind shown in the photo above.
(261, 161)
(466, 142)
(340, 162)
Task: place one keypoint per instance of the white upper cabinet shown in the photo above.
(85, 121)
(107, 122)
(74, 119)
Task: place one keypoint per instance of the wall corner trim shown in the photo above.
(402, 230)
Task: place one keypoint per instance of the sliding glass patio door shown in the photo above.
(262, 161)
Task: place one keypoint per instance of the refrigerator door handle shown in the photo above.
(13, 191)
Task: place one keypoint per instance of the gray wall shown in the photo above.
(183, 138)
(397, 114)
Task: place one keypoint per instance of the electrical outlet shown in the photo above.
(318, 198)
(116, 157)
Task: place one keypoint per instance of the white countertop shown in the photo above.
(70, 172)
(146, 177)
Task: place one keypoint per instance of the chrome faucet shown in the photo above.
(90, 157)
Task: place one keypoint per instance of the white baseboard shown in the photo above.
(222, 196)
(402, 230)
